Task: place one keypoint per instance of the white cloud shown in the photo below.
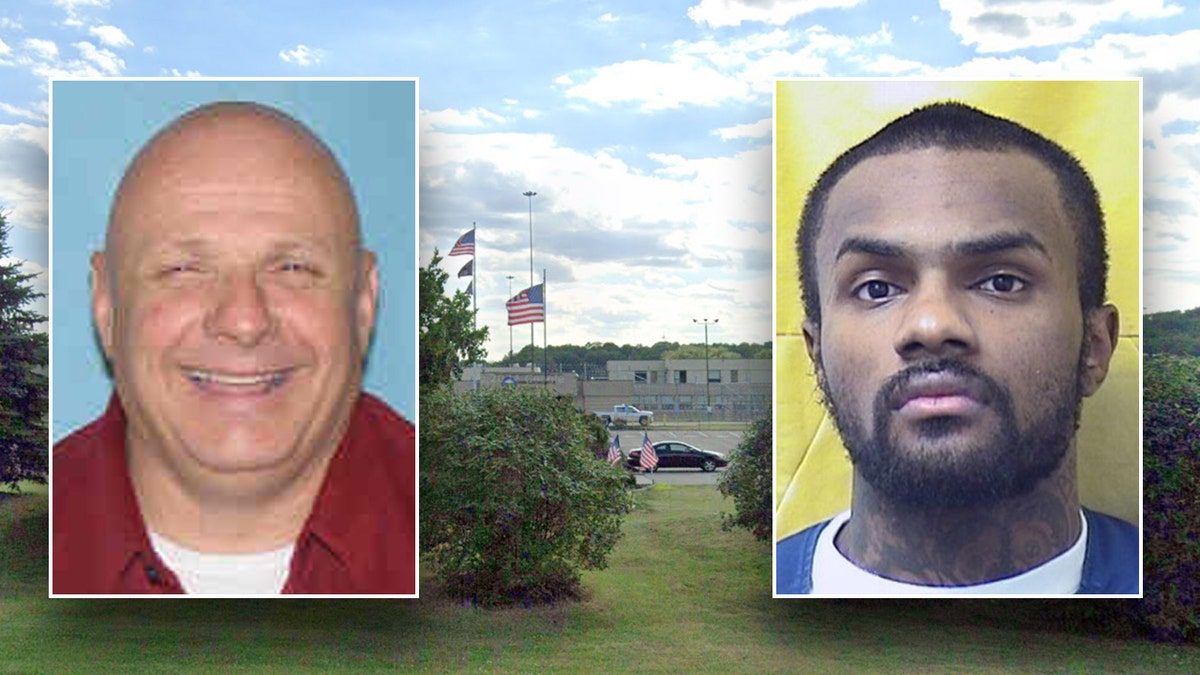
(22, 112)
(887, 64)
(303, 55)
(609, 17)
(599, 223)
(24, 194)
(108, 62)
(710, 73)
(10, 24)
(74, 18)
(759, 129)
(718, 13)
(475, 117)
(658, 85)
(111, 36)
(1166, 62)
(26, 133)
(45, 49)
(4, 48)
(175, 72)
(1007, 25)
(72, 5)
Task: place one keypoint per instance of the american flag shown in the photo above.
(468, 269)
(465, 244)
(614, 450)
(649, 458)
(528, 306)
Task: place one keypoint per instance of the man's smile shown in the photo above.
(250, 382)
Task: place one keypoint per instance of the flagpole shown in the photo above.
(545, 342)
(474, 289)
(510, 343)
(532, 347)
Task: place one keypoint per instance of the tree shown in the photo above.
(24, 388)
(448, 336)
(696, 351)
(515, 502)
(748, 480)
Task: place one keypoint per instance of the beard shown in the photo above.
(938, 468)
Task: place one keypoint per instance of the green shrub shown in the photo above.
(748, 480)
(1171, 518)
(514, 503)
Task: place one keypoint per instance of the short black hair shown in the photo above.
(951, 125)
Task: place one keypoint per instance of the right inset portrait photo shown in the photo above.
(957, 338)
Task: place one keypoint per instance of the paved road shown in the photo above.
(718, 441)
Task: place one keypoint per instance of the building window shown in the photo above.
(733, 376)
(653, 377)
(681, 377)
(714, 376)
(639, 376)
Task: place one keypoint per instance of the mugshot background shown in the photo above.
(97, 126)
(1099, 122)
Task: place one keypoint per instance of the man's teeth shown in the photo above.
(202, 376)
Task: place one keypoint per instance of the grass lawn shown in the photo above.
(680, 595)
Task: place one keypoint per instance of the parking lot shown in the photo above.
(718, 441)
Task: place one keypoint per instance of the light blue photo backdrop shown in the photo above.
(97, 126)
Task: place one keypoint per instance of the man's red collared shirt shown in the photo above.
(360, 538)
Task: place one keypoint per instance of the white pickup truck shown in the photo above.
(625, 414)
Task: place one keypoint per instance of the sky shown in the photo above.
(646, 133)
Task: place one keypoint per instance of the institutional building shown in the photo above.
(734, 389)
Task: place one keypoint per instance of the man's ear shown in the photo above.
(102, 304)
(812, 342)
(1101, 330)
(366, 302)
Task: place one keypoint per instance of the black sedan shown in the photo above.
(679, 455)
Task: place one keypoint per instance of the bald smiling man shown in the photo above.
(238, 455)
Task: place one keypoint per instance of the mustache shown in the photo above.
(894, 387)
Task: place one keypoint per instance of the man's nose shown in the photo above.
(935, 322)
(241, 312)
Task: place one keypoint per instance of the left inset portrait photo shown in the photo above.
(233, 337)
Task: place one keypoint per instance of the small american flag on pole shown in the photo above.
(528, 306)
(614, 450)
(649, 458)
(465, 244)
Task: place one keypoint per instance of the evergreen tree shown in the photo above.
(24, 384)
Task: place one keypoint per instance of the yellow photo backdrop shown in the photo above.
(1099, 123)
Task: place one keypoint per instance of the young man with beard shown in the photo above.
(953, 269)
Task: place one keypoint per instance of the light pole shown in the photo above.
(707, 397)
(510, 342)
(532, 349)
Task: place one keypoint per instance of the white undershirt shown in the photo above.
(225, 573)
(834, 574)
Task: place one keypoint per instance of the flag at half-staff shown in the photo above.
(528, 306)
(465, 244)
